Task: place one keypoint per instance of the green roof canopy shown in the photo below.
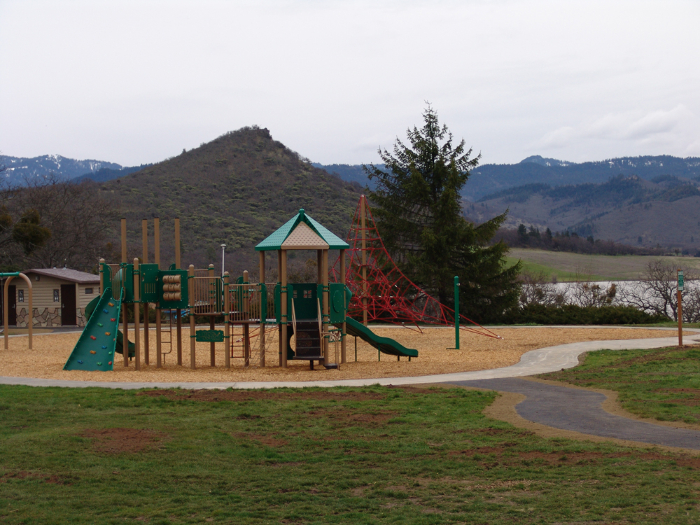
(275, 240)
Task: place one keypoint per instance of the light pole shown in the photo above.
(223, 254)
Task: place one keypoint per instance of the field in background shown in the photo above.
(573, 266)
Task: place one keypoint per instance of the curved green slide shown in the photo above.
(101, 338)
(383, 344)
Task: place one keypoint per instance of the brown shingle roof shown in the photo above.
(67, 274)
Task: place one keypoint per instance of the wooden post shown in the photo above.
(179, 312)
(5, 312)
(30, 321)
(227, 329)
(146, 342)
(262, 320)
(212, 308)
(680, 307)
(283, 308)
(137, 328)
(326, 310)
(193, 329)
(364, 259)
(156, 247)
(343, 336)
(279, 280)
(246, 326)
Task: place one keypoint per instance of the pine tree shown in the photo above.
(418, 211)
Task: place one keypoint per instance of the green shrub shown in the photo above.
(572, 314)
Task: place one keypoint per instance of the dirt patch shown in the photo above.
(678, 390)
(122, 440)
(686, 402)
(23, 474)
(260, 395)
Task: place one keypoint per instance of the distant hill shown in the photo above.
(664, 211)
(490, 178)
(236, 189)
(19, 168)
(349, 173)
(105, 174)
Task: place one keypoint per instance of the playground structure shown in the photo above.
(381, 292)
(314, 314)
(5, 311)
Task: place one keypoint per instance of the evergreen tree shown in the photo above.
(418, 211)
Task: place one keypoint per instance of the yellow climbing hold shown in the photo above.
(92, 352)
(107, 333)
(111, 304)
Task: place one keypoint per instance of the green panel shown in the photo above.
(184, 290)
(124, 278)
(263, 302)
(209, 336)
(337, 305)
(304, 296)
(278, 303)
(149, 283)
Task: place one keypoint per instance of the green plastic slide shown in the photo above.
(383, 344)
(97, 344)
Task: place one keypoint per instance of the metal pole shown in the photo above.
(456, 312)
(223, 251)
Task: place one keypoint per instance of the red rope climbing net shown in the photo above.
(379, 287)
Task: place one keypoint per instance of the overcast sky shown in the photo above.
(136, 82)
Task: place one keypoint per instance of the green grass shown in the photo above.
(573, 266)
(663, 384)
(361, 456)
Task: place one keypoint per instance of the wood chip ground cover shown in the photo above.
(369, 455)
(477, 352)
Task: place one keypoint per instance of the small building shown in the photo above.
(60, 297)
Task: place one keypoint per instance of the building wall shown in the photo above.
(47, 312)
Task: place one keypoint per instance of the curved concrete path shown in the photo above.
(580, 410)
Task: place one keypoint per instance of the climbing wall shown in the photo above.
(95, 348)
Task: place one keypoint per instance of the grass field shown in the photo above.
(572, 266)
(370, 455)
(663, 384)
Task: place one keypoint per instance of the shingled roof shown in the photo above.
(301, 232)
(67, 274)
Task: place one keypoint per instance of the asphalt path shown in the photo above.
(580, 410)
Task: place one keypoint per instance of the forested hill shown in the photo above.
(236, 189)
(490, 178)
(664, 211)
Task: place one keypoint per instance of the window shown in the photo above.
(20, 296)
(56, 297)
(308, 294)
(88, 291)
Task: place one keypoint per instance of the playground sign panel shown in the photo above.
(209, 336)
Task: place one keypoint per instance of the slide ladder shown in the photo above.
(98, 343)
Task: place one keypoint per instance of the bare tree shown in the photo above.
(77, 216)
(586, 293)
(656, 292)
(536, 289)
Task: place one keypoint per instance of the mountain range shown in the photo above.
(236, 188)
